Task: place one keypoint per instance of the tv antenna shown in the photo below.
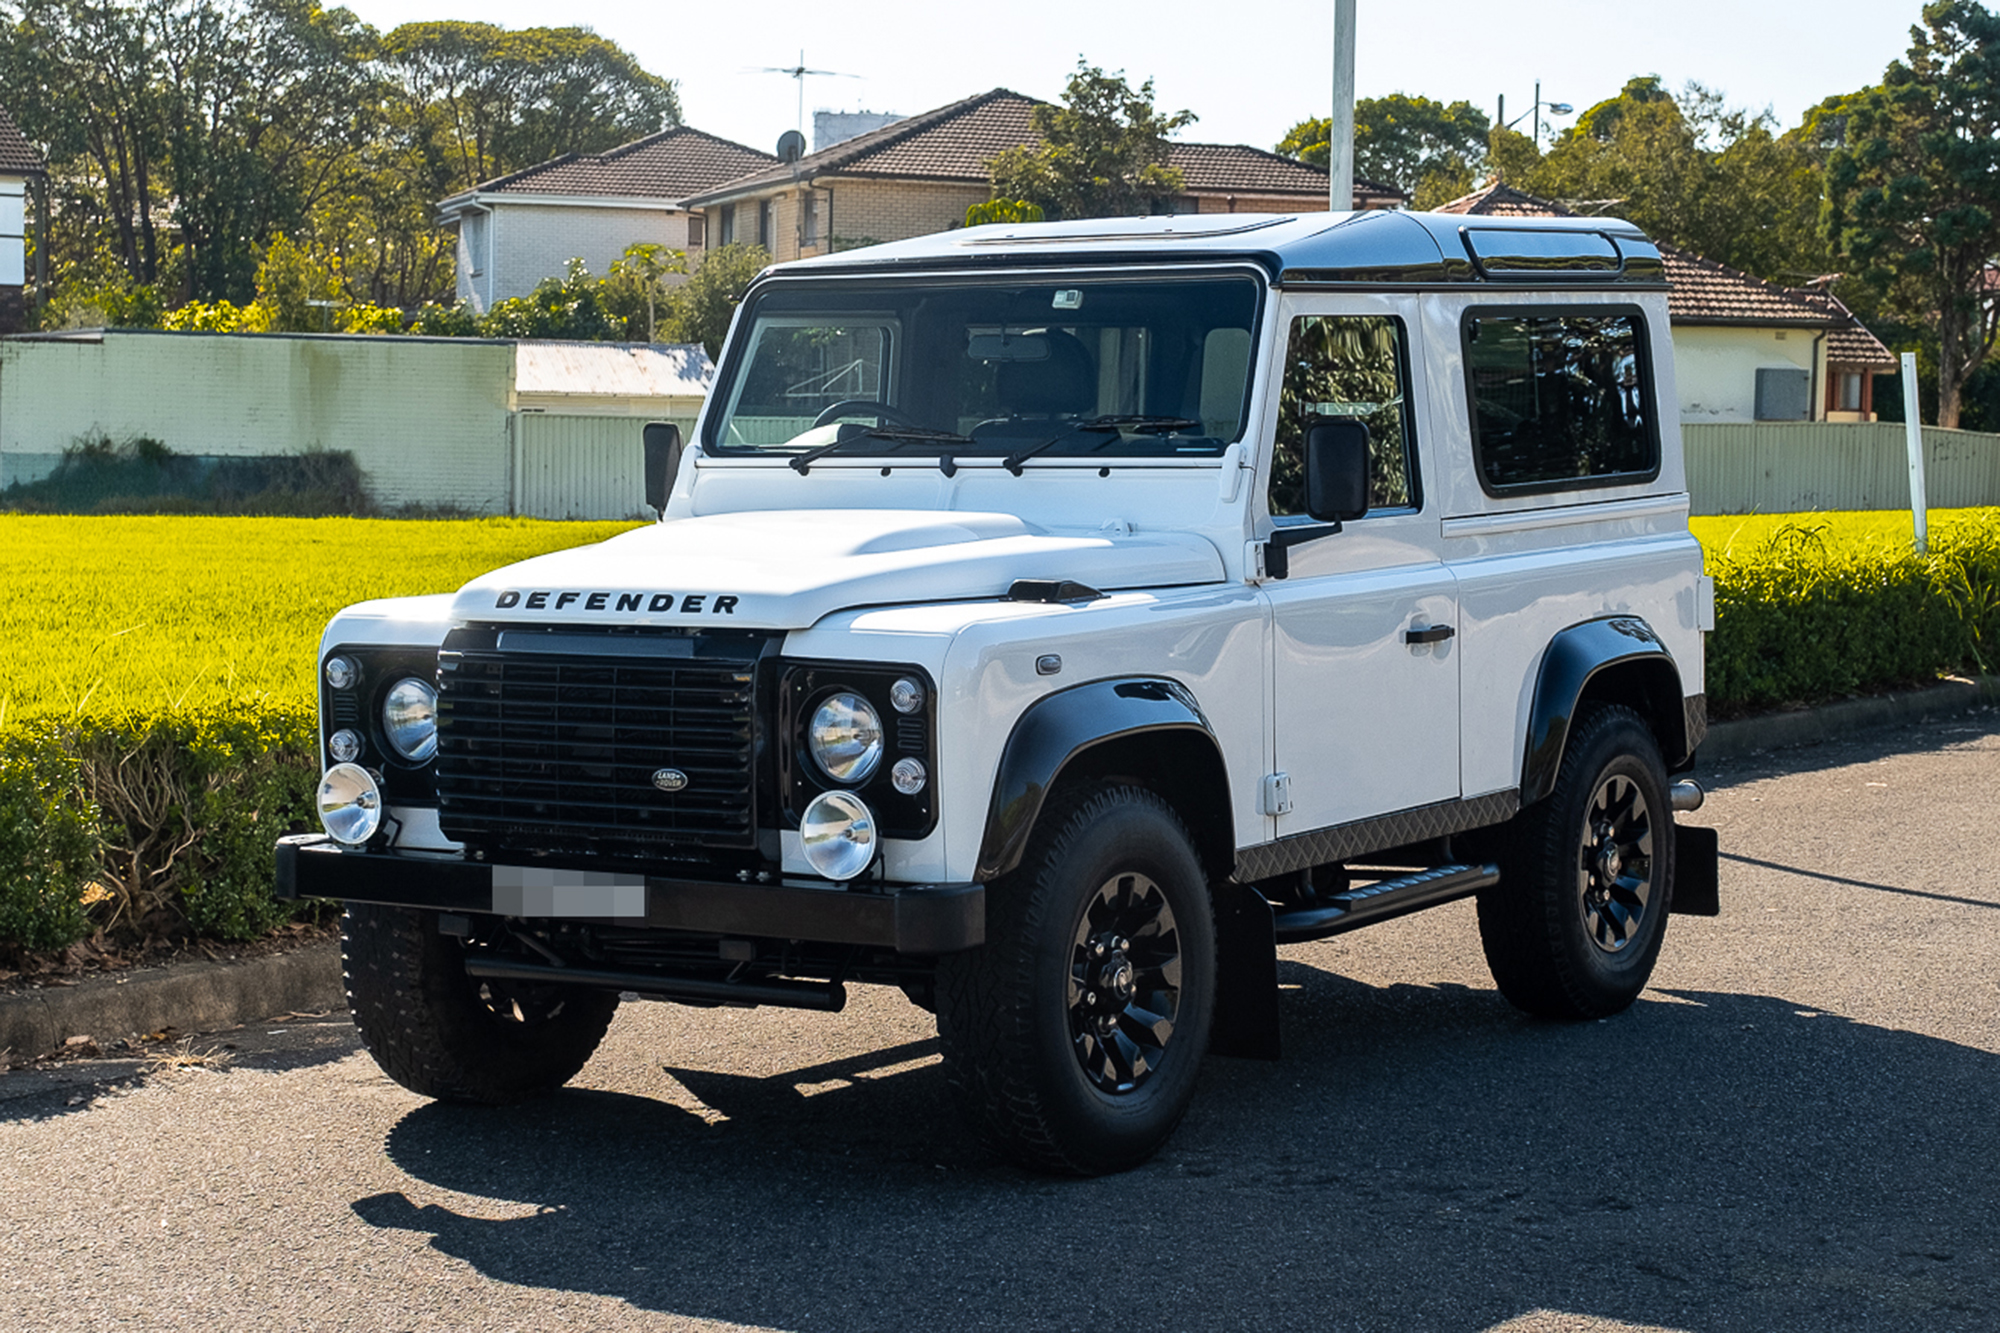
(797, 73)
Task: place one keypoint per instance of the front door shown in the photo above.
(1364, 654)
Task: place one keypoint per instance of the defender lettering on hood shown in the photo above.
(658, 603)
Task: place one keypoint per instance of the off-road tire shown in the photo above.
(443, 1034)
(1011, 1018)
(1536, 924)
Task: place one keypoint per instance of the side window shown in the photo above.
(1560, 399)
(1354, 366)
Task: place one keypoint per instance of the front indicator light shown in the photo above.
(350, 804)
(908, 776)
(838, 832)
(344, 745)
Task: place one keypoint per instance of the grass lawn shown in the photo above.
(104, 613)
(1740, 535)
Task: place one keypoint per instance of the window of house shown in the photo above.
(808, 218)
(1346, 367)
(473, 229)
(1560, 399)
(766, 223)
(697, 231)
(725, 225)
(1846, 391)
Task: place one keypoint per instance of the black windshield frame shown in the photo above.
(931, 331)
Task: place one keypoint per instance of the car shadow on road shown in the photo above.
(1422, 1158)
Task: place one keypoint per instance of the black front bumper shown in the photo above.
(914, 919)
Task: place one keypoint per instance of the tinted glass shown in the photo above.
(1560, 400)
(1158, 367)
(1345, 367)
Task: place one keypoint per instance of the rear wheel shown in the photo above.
(1574, 927)
(443, 1034)
(1073, 1036)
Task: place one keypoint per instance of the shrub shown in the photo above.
(48, 843)
(97, 476)
(1801, 619)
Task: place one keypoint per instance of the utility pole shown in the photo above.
(1340, 135)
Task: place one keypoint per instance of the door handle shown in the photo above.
(1430, 634)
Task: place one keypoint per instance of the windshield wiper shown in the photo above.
(848, 434)
(1142, 424)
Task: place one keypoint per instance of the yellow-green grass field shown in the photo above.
(104, 614)
(1740, 535)
(101, 614)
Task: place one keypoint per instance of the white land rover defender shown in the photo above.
(1051, 621)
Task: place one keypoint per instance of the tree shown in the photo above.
(1103, 153)
(1913, 192)
(635, 291)
(704, 304)
(1407, 142)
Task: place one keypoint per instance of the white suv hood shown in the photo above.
(785, 569)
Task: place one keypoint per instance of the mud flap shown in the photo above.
(1697, 873)
(1246, 965)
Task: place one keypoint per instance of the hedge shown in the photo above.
(1800, 619)
(150, 825)
(160, 823)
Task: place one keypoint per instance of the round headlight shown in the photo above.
(409, 719)
(350, 804)
(344, 746)
(839, 835)
(845, 738)
(341, 673)
(906, 695)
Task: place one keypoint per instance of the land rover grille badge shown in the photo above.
(669, 779)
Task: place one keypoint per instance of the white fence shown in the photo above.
(1782, 469)
(582, 466)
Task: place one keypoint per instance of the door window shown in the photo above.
(1353, 367)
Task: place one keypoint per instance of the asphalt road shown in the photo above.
(1794, 1129)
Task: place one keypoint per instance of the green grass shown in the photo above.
(115, 613)
(1742, 534)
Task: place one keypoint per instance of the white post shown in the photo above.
(1913, 433)
(1340, 138)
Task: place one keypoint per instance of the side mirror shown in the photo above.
(663, 461)
(1337, 471)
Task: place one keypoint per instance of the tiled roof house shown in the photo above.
(519, 229)
(1743, 348)
(919, 175)
(19, 164)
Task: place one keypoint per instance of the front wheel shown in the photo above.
(1073, 1036)
(443, 1034)
(1574, 926)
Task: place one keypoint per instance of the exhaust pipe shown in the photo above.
(1686, 797)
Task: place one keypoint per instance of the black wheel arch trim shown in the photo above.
(1575, 657)
(1059, 729)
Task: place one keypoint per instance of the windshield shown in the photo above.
(1049, 368)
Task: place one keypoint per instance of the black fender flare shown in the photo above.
(1574, 658)
(1058, 729)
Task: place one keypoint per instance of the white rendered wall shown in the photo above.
(1716, 368)
(530, 242)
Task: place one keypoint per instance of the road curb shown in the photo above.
(191, 997)
(1811, 726)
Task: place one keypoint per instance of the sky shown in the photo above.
(1248, 70)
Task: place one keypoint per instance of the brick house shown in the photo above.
(21, 168)
(919, 175)
(519, 229)
(1744, 349)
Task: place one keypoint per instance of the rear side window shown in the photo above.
(1560, 399)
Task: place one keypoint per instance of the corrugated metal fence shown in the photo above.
(1783, 469)
(569, 466)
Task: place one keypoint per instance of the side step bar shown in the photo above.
(827, 997)
(1370, 903)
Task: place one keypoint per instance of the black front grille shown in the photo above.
(551, 742)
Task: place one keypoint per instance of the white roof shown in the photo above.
(626, 370)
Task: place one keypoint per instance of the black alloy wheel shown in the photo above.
(1125, 983)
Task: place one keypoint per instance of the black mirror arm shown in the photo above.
(1277, 563)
